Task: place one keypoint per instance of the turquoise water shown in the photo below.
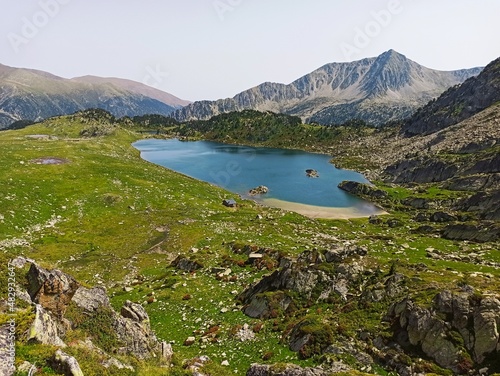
(240, 168)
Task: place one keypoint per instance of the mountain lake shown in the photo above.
(241, 168)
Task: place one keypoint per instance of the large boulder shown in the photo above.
(52, 289)
(90, 300)
(45, 329)
(486, 318)
(134, 331)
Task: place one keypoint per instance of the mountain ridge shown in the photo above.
(361, 86)
(458, 103)
(33, 95)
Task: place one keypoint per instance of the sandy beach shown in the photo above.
(361, 211)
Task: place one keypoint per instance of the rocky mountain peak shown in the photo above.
(390, 71)
(376, 90)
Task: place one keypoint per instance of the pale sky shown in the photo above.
(210, 49)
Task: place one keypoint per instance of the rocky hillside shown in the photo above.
(377, 90)
(455, 153)
(458, 103)
(33, 95)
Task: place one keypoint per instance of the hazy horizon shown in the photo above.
(211, 49)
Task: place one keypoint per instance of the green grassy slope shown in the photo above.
(107, 217)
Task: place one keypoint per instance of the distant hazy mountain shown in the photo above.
(137, 88)
(458, 103)
(27, 94)
(377, 90)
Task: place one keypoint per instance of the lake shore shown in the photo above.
(361, 211)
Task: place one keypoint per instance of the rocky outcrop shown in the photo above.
(131, 326)
(294, 370)
(66, 364)
(479, 182)
(311, 173)
(52, 292)
(186, 264)
(472, 232)
(459, 331)
(260, 190)
(421, 171)
(45, 329)
(310, 337)
(133, 329)
(485, 204)
(53, 289)
(362, 189)
(271, 296)
(441, 216)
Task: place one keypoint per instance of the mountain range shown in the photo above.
(32, 95)
(376, 90)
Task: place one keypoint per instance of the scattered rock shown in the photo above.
(184, 263)
(189, 341)
(245, 334)
(66, 364)
(260, 190)
(440, 216)
(294, 370)
(113, 362)
(393, 223)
